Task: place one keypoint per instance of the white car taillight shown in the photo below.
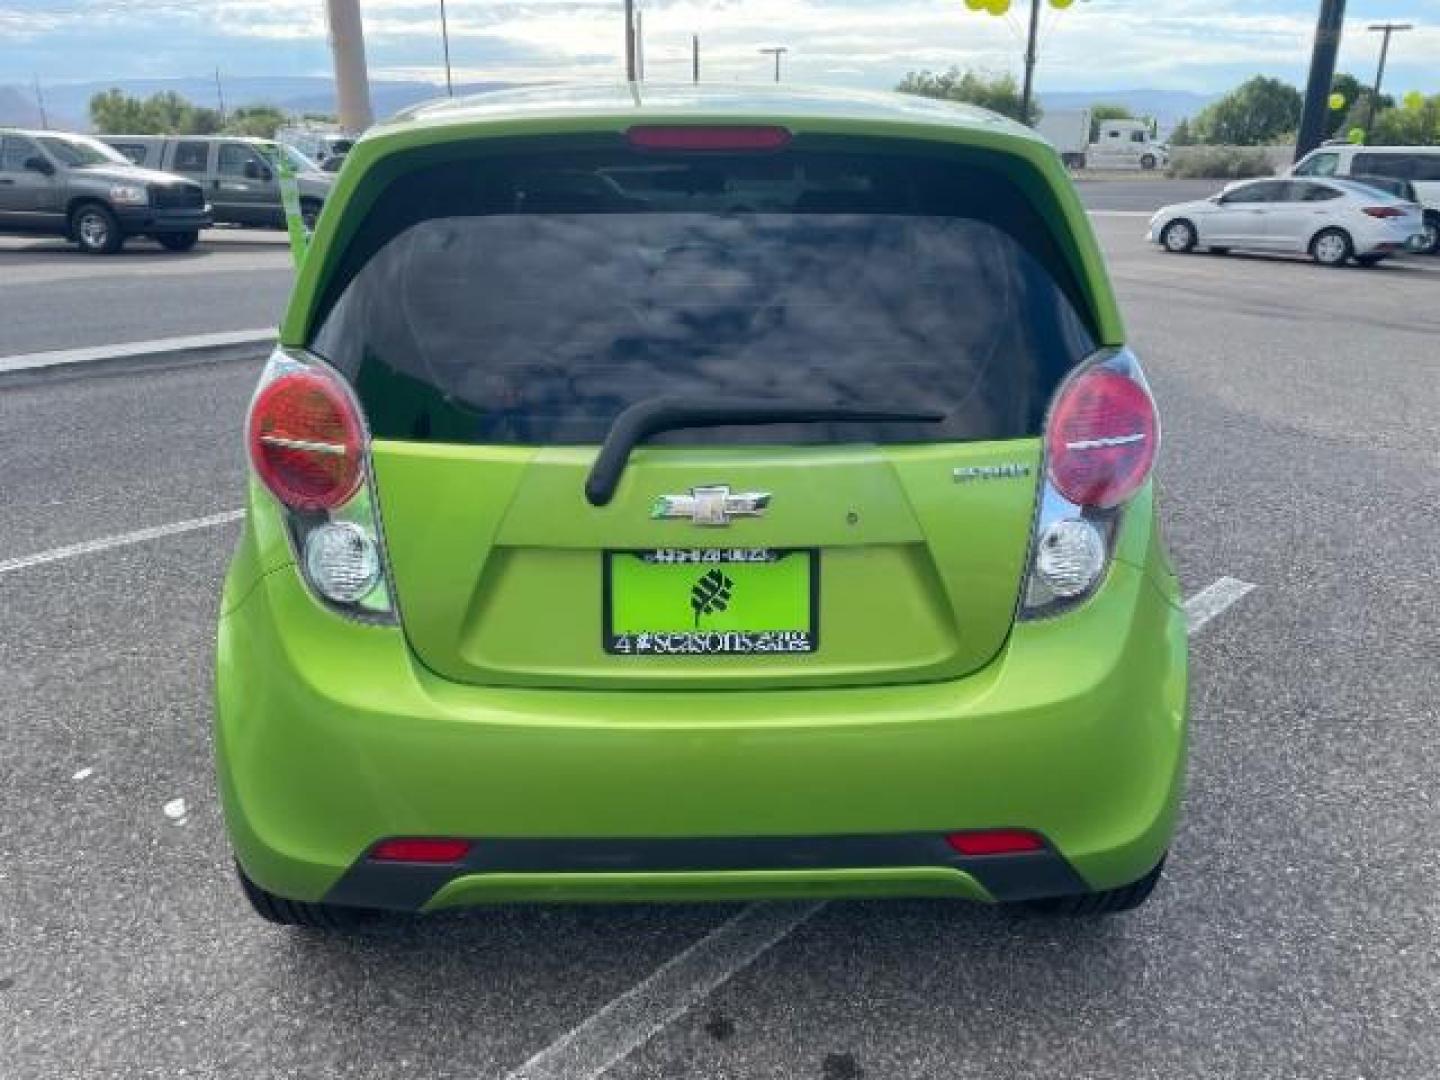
(309, 448)
(1101, 440)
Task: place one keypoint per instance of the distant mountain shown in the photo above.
(1167, 106)
(18, 109)
(68, 104)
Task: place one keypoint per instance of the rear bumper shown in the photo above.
(330, 737)
(146, 220)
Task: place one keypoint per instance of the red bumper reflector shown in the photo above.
(995, 842)
(752, 137)
(420, 851)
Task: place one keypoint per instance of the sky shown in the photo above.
(1196, 45)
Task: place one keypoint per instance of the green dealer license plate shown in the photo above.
(711, 601)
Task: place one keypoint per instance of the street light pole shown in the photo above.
(1031, 46)
(630, 40)
(445, 37)
(695, 58)
(1322, 74)
(352, 81)
(1387, 29)
(777, 51)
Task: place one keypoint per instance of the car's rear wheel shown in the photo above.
(1148, 162)
(1370, 260)
(310, 213)
(1178, 236)
(178, 241)
(96, 230)
(1431, 233)
(283, 912)
(1332, 247)
(1107, 902)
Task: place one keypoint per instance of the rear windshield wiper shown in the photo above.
(646, 418)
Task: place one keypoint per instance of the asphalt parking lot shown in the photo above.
(1297, 933)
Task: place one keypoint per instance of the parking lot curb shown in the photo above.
(198, 348)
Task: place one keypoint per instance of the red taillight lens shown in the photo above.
(1101, 440)
(306, 441)
(995, 842)
(729, 137)
(1383, 211)
(420, 850)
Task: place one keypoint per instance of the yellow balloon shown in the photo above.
(1061, 4)
(1415, 100)
(1357, 136)
(1337, 102)
(998, 7)
(976, 5)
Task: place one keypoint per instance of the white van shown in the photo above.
(1418, 164)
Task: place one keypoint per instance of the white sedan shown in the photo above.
(1333, 220)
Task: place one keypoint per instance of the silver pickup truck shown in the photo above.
(57, 184)
(238, 174)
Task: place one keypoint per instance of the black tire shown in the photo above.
(1332, 247)
(1370, 260)
(1148, 162)
(1109, 902)
(1432, 231)
(283, 912)
(178, 241)
(94, 227)
(1219, 251)
(310, 212)
(1178, 237)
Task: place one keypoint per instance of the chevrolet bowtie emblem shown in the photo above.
(711, 505)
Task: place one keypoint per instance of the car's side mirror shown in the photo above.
(40, 165)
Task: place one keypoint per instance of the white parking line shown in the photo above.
(1121, 213)
(589, 1050)
(1212, 600)
(159, 346)
(649, 1006)
(24, 562)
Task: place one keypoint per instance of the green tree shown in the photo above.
(1182, 135)
(201, 121)
(1102, 112)
(1416, 123)
(167, 112)
(999, 93)
(258, 121)
(1256, 113)
(115, 112)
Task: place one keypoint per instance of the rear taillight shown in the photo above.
(1101, 440)
(727, 137)
(995, 842)
(308, 446)
(420, 850)
(306, 440)
(1383, 211)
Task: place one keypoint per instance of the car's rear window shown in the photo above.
(529, 298)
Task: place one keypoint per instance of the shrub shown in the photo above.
(1219, 162)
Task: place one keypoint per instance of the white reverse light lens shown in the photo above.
(341, 561)
(1071, 556)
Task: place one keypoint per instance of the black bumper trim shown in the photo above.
(138, 220)
(410, 886)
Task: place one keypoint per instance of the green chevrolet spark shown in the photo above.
(681, 494)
